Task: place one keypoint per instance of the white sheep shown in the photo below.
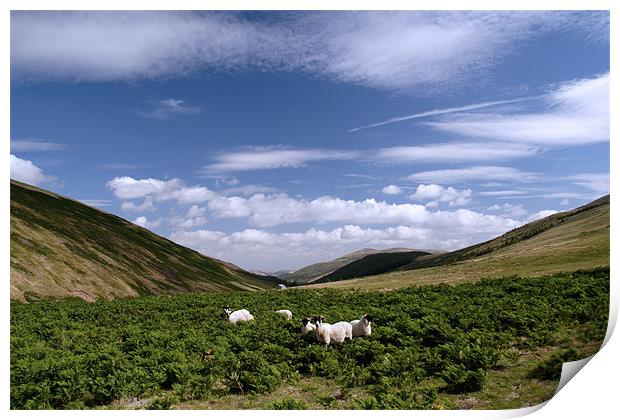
(307, 326)
(285, 313)
(238, 316)
(361, 327)
(341, 331)
(323, 330)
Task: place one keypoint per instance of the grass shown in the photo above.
(61, 247)
(581, 243)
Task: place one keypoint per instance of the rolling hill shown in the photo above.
(316, 271)
(374, 264)
(566, 241)
(61, 247)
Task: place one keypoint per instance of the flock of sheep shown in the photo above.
(325, 333)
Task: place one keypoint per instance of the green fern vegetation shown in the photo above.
(464, 346)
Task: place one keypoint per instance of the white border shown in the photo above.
(592, 393)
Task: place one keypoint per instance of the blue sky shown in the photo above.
(275, 140)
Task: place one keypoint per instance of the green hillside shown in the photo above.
(316, 271)
(563, 242)
(61, 247)
(374, 264)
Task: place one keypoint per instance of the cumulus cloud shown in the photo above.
(145, 223)
(540, 215)
(439, 194)
(127, 188)
(272, 158)
(387, 50)
(392, 190)
(25, 171)
(496, 173)
(147, 205)
(261, 249)
(168, 109)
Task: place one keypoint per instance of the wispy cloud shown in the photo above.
(95, 202)
(496, 173)
(251, 189)
(455, 152)
(272, 158)
(168, 109)
(386, 50)
(437, 112)
(120, 166)
(577, 112)
(597, 182)
(32, 145)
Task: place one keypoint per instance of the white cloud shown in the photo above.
(120, 166)
(261, 249)
(502, 193)
(95, 202)
(510, 210)
(439, 194)
(455, 152)
(129, 188)
(250, 189)
(23, 145)
(25, 171)
(147, 205)
(388, 50)
(196, 211)
(597, 182)
(392, 190)
(273, 158)
(275, 209)
(145, 223)
(577, 113)
(540, 215)
(168, 109)
(436, 112)
(497, 173)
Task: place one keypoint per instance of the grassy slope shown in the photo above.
(316, 271)
(60, 247)
(567, 241)
(373, 264)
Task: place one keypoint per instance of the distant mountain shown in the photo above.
(314, 272)
(61, 247)
(373, 264)
(563, 242)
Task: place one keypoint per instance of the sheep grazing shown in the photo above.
(285, 313)
(361, 327)
(341, 331)
(323, 330)
(240, 315)
(307, 326)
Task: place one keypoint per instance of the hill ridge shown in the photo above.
(61, 247)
